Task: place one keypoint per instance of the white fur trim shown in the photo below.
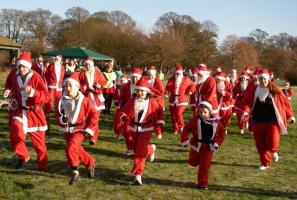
(89, 131)
(160, 122)
(32, 92)
(264, 75)
(208, 105)
(25, 63)
(142, 88)
(140, 129)
(203, 73)
(179, 71)
(136, 74)
(71, 80)
(202, 65)
(221, 78)
(89, 62)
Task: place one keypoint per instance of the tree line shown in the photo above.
(174, 39)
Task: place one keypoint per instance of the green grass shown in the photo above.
(234, 172)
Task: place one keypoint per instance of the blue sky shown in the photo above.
(239, 17)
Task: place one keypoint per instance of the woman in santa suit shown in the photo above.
(270, 110)
(78, 119)
(140, 116)
(180, 88)
(92, 82)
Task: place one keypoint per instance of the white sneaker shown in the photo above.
(263, 168)
(151, 158)
(138, 180)
(159, 136)
(275, 156)
(129, 152)
(241, 131)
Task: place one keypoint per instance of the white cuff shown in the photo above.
(89, 131)
(186, 143)
(32, 92)
(160, 122)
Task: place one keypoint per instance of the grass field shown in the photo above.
(234, 173)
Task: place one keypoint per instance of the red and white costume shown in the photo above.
(54, 77)
(205, 135)
(40, 69)
(26, 115)
(193, 97)
(180, 88)
(140, 117)
(88, 85)
(157, 90)
(287, 91)
(276, 107)
(77, 118)
(206, 89)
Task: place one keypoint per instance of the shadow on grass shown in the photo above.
(233, 164)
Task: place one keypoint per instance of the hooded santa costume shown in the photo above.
(77, 119)
(91, 84)
(140, 115)
(54, 76)
(180, 88)
(26, 116)
(207, 137)
(270, 110)
(206, 89)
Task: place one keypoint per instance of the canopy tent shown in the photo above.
(78, 52)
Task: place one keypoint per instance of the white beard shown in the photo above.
(178, 79)
(243, 85)
(68, 105)
(139, 105)
(202, 79)
(151, 82)
(263, 93)
(221, 86)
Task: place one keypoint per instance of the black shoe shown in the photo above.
(74, 178)
(20, 164)
(92, 142)
(91, 172)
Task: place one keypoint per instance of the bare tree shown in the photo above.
(78, 14)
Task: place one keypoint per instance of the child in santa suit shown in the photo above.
(207, 137)
(26, 116)
(287, 91)
(238, 92)
(78, 119)
(180, 88)
(140, 115)
(54, 76)
(127, 92)
(92, 82)
(157, 90)
(123, 80)
(270, 110)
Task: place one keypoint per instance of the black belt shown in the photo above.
(92, 91)
(140, 124)
(30, 108)
(75, 125)
(205, 142)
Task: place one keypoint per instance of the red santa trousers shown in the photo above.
(176, 114)
(18, 138)
(75, 151)
(203, 160)
(141, 151)
(95, 137)
(117, 123)
(266, 136)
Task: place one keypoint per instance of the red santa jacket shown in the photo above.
(179, 94)
(225, 100)
(238, 95)
(288, 93)
(126, 94)
(27, 108)
(152, 115)
(157, 90)
(39, 68)
(282, 106)
(54, 77)
(90, 90)
(84, 117)
(207, 91)
(194, 126)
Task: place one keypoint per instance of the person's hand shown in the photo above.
(244, 117)
(185, 143)
(125, 119)
(214, 147)
(292, 120)
(6, 93)
(28, 89)
(98, 86)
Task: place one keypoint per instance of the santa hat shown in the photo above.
(244, 75)
(221, 76)
(25, 59)
(143, 84)
(271, 74)
(152, 70)
(90, 61)
(264, 73)
(124, 78)
(248, 69)
(207, 105)
(178, 69)
(73, 79)
(194, 71)
(136, 72)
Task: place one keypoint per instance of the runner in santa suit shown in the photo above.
(91, 83)
(180, 88)
(54, 77)
(139, 116)
(207, 138)
(78, 119)
(233, 79)
(238, 91)
(39, 67)
(270, 110)
(127, 92)
(193, 97)
(26, 116)
(287, 91)
(157, 90)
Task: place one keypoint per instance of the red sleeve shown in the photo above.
(188, 128)
(191, 87)
(41, 94)
(9, 79)
(91, 116)
(210, 94)
(220, 134)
